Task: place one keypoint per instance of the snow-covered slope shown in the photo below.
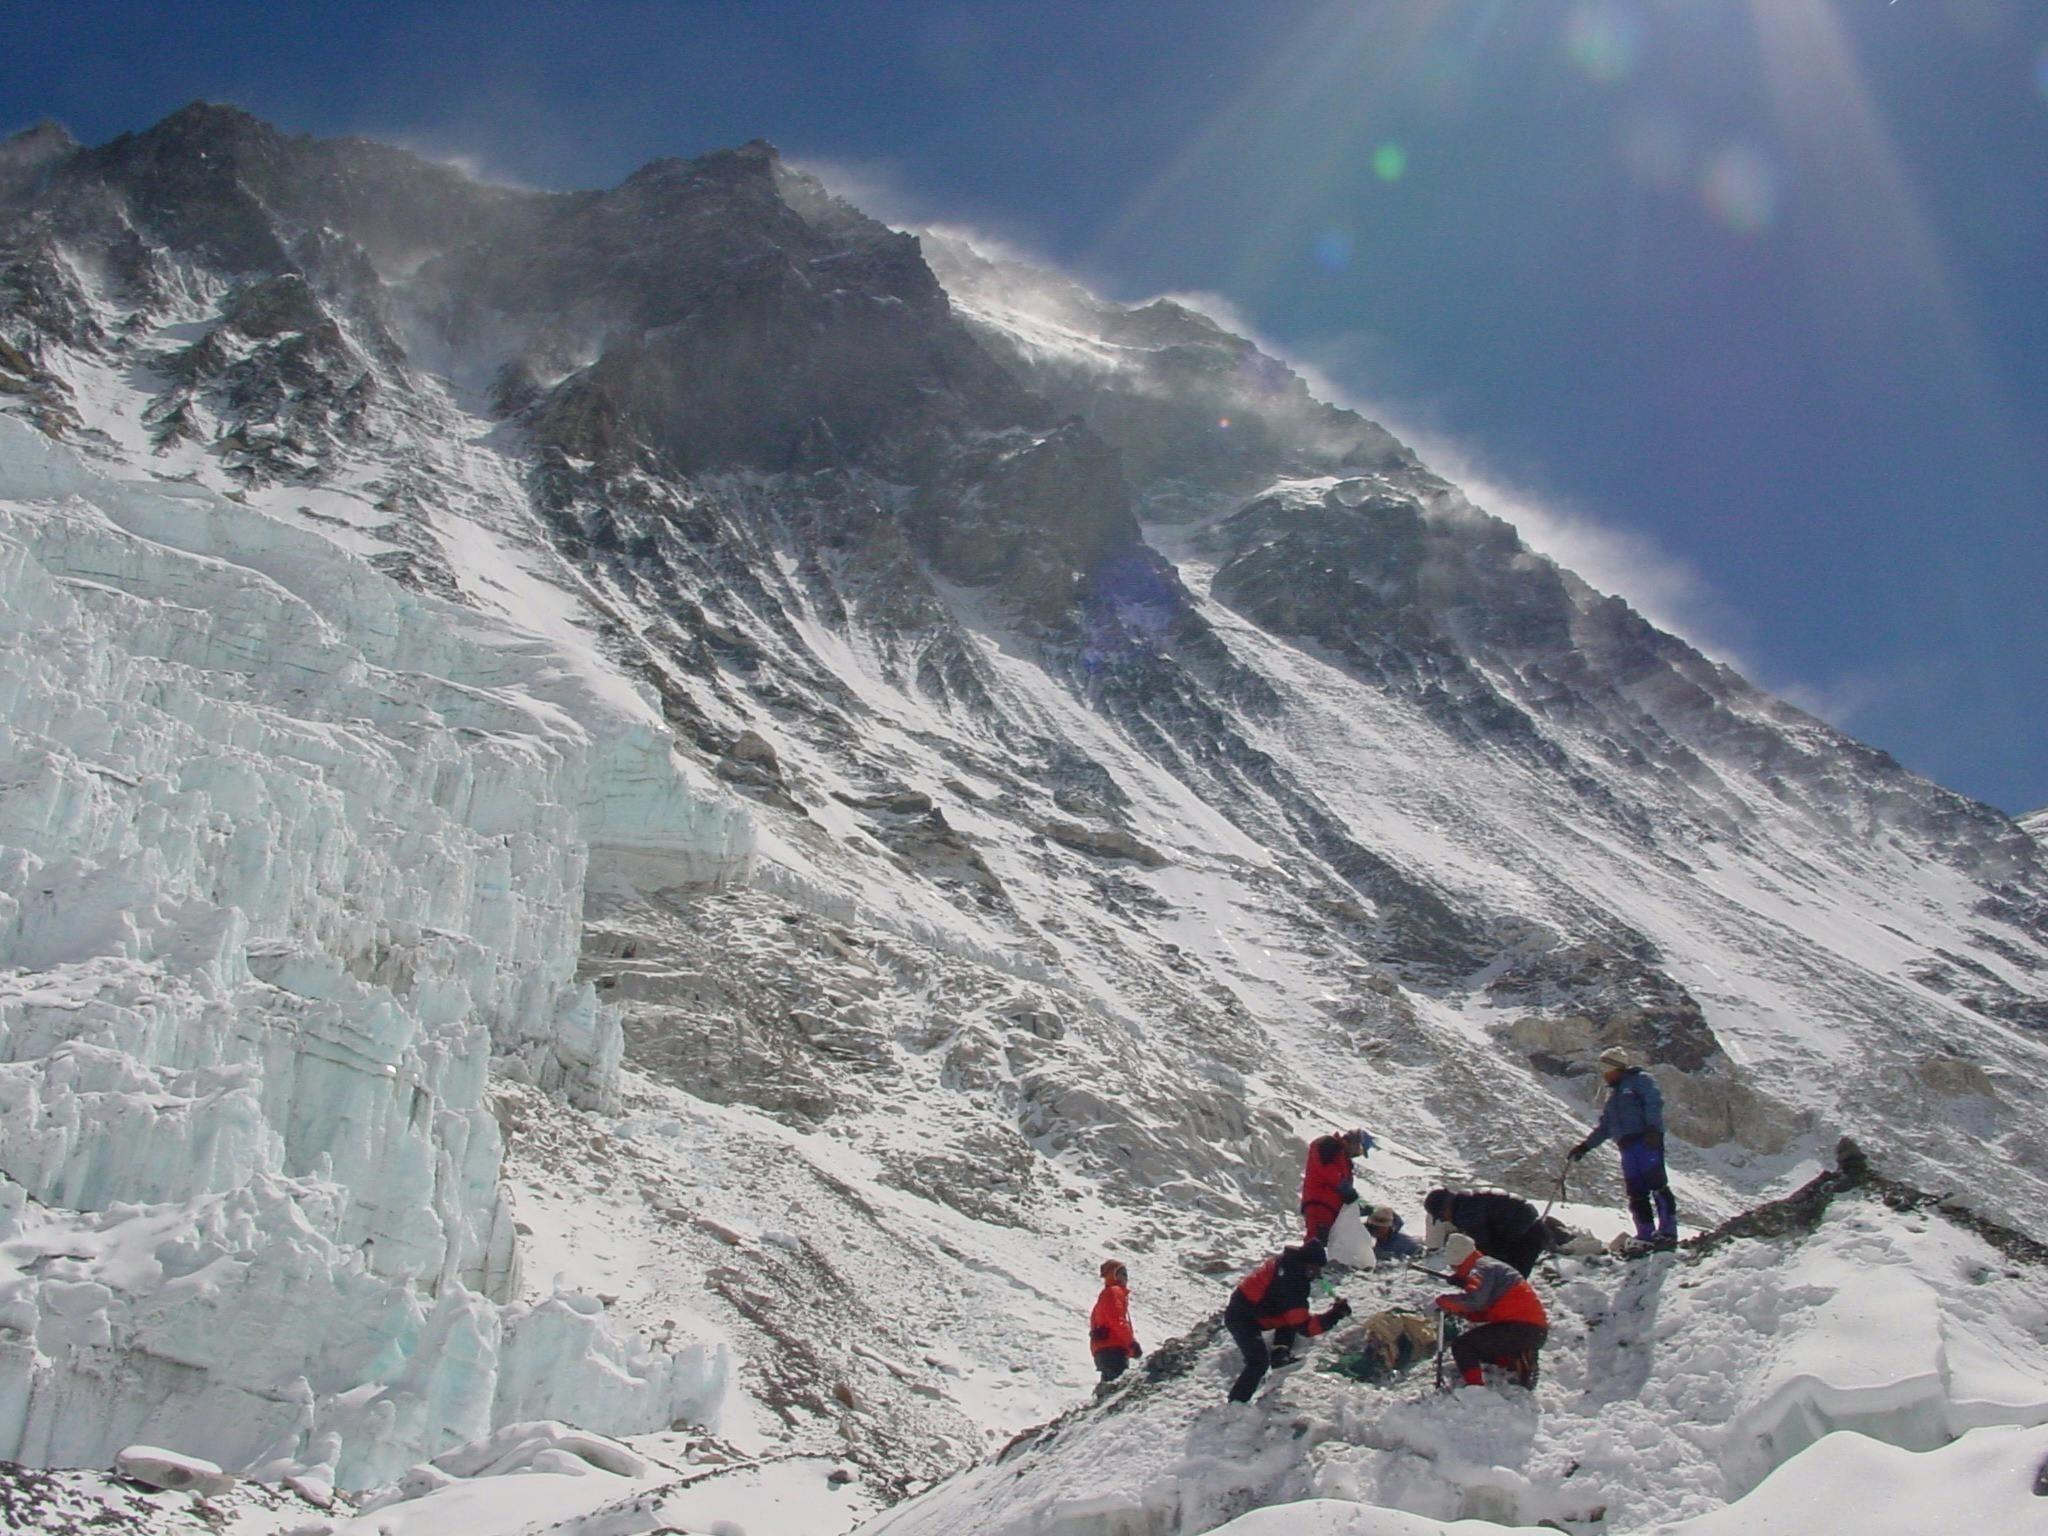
(1734, 1377)
(1858, 1346)
(664, 805)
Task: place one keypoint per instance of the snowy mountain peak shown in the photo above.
(672, 743)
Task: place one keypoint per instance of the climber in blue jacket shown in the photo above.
(1633, 1117)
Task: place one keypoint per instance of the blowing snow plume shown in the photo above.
(652, 807)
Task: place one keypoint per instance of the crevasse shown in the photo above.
(289, 854)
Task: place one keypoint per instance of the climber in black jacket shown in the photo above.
(1505, 1226)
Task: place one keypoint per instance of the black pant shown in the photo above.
(1111, 1363)
(1251, 1343)
(1491, 1343)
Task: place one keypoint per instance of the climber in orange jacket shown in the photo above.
(1274, 1299)
(1512, 1325)
(1326, 1182)
(1110, 1336)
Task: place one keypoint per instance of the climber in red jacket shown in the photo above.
(1274, 1299)
(1326, 1184)
(1512, 1325)
(1110, 1335)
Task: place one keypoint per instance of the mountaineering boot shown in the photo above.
(1283, 1359)
(1664, 1243)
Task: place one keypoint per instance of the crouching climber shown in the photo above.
(1501, 1225)
(1390, 1245)
(1274, 1299)
(1327, 1182)
(1110, 1335)
(1511, 1323)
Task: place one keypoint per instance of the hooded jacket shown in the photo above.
(1492, 1218)
(1276, 1294)
(1326, 1182)
(1634, 1105)
(1493, 1292)
(1109, 1325)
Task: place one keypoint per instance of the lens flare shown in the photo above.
(1602, 40)
(1653, 147)
(1740, 189)
(1390, 162)
(1333, 248)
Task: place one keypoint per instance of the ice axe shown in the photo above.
(1442, 1318)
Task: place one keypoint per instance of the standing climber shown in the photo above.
(1512, 1325)
(1505, 1226)
(1634, 1117)
(1326, 1183)
(1274, 1299)
(1390, 1244)
(1110, 1336)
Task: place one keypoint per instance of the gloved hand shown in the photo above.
(1447, 1304)
(1366, 1143)
(1340, 1310)
(1136, 1352)
(1654, 1140)
(1347, 1193)
(1578, 1152)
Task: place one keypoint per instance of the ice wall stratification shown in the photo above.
(288, 854)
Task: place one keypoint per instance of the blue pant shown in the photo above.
(1642, 1169)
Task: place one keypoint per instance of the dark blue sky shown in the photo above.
(1741, 305)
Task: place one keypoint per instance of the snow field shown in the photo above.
(1674, 1388)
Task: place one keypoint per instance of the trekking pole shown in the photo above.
(1550, 1233)
(1557, 1190)
(1440, 1320)
(1434, 1274)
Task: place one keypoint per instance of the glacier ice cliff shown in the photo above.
(289, 855)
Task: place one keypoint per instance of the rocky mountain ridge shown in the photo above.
(1141, 763)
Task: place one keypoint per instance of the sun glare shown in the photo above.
(1877, 269)
(1602, 39)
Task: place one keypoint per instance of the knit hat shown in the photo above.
(1615, 1057)
(1112, 1269)
(1314, 1253)
(1458, 1248)
(1437, 1201)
